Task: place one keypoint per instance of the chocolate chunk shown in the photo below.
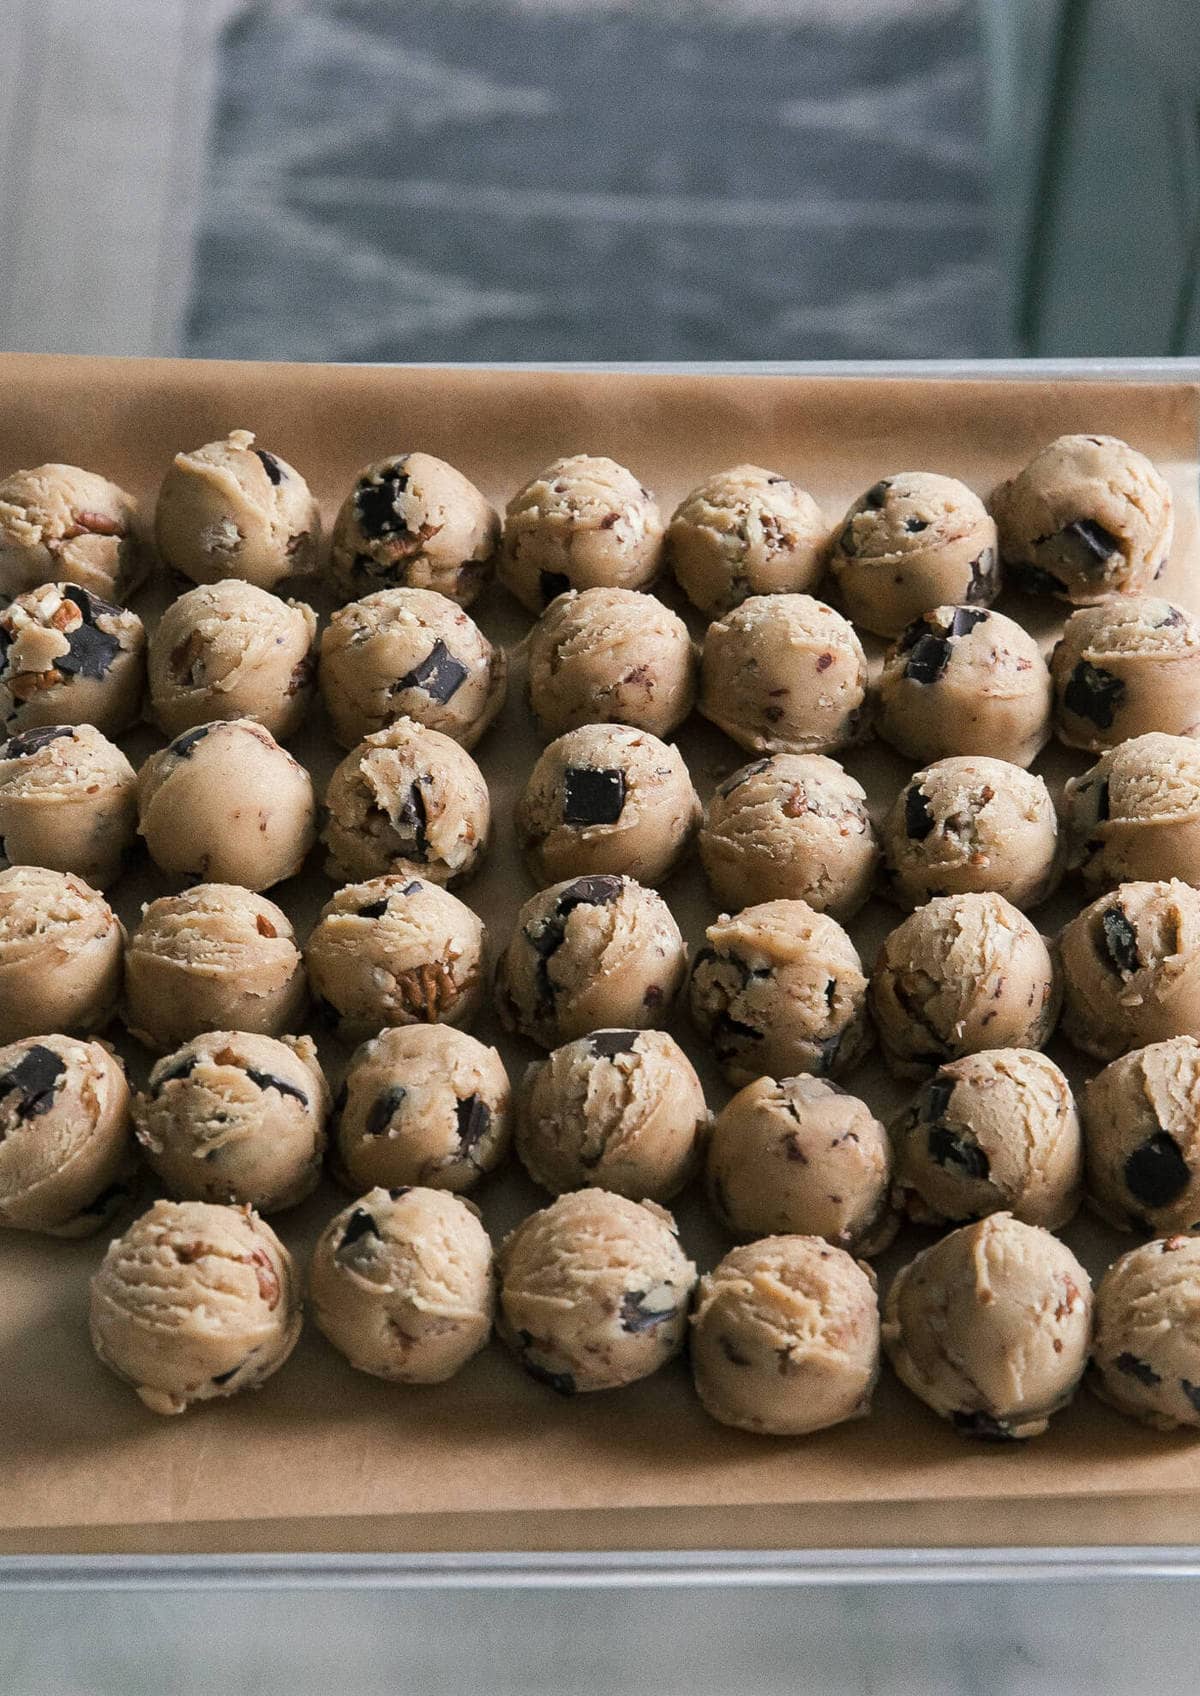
(224, 1377)
(474, 1120)
(29, 741)
(1156, 1172)
(740, 777)
(1139, 1369)
(831, 989)
(985, 1426)
(829, 1050)
(877, 494)
(410, 820)
(413, 888)
(964, 619)
(268, 1080)
(914, 526)
(404, 1189)
(562, 1382)
(604, 1044)
(1094, 694)
(954, 1148)
(1192, 1392)
(108, 1200)
(181, 747)
(546, 937)
(918, 820)
(592, 795)
(92, 653)
(385, 1107)
(935, 1098)
(635, 1317)
(730, 1035)
(181, 1069)
(33, 1079)
(1173, 617)
(1120, 940)
(90, 606)
(1088, 542)
(983, 576)
(375, 503)
(439, 674)
(928, 658)
(1036, 580)
(360, 1224)
(373, 909)
(270, 465)
(551, 584)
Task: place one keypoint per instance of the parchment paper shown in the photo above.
(483, 1460)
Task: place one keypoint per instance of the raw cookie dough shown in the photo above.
(963, 680)
(593, 953)
(409, 653)
(1141, 1127)
(913, 542)
(583, 523)
(785, 1337)
(234, 1117)
(594, 1291)
(607, 798)
(414, 522)
(231, 650)
(1136, 814)
(224, 803)
(962, 974)
(422, 1104)
(395, 950)
(793, 827)
(66, 1157)
(622, 1110)
(195, 1302)
(68, 801)
(57, 521)
(406, 799)
(784, 674)
(968, 824)
(1089, 516)
(230, 509)
(745, 532)
(610, 656)
(1146, 1348)
(992, 1132)
(60, 954)
(800, 1156)
(779, 989)
(401, 1284)
(1124, 668)
(1131, 968)
(214, 958)
(67, 657)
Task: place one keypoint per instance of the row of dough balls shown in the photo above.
(1088, 517)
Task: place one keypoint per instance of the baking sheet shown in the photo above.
(492, 1457)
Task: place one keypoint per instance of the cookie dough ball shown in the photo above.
(60, 954)
(1135, 816)
(784, 674)
(231, 650)
(414, 522)
(800, 1156)
(745, 532)
(1089, 516)
(913, 542)
(1141, 1123)
(401, 1284)
(989, 1133)
(595, 953)
(610, 656)
(1131, 968)
(409, 653)
(230, 509)
(233, 1117)
(58, 521)
(68, 801)
(407, 799)
(65, 1151)
(1146, 1350)
(607, 798)
(226, 803)
(193, 1303)
(623, 1110)
(422, 1104)
(791, 827)
(583, 523)
(962, 974)
(594, 1291)
(395, 950)
(1124, 668)
(968, 824)
(67, 657)
(962, 680)
(214, 958)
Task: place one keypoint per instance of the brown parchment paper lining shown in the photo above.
(492, 1460)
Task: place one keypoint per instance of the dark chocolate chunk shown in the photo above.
(983, 585)
(474, 1120)
(605, 1044)
(410, 820)
(964, 619)
(1036, 580)
(546, 936)
(1102, 802)
(384, 1109)
(914, 526)
(928, 658)
(740, 777)
(360, 1224)
(181, 1069)
(831, 988)
(375, 504)
(90, 606)
(985, 1426)
(730, 1035)
(267, 1080)
(1156, 1172)
(918, 820)
(1192, 1392)
(954, 1148)
(829, 1050)
(1089, 542)
(29, 741)
(439, 674)
(1120, 940)
(1139, 1369)
(404, 1189)
(551, 584)
(1173, 617)
(92, 652)
(108, 1200)
(877, 494)
(33, 1079)
(562, 1382)
(182, 746)
(373, 909)
(224, 1377)
(270, 465)
(592, 795)
(1094, 694)
(935, 1097)
(413, 888)
(635, 1317)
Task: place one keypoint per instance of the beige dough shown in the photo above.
(60, 954)
(401, 1284)
(990, 1327)
(1141, 1125)
(231, 650)
(1146, 1351)
(779, 989)
(422, 1104)
(609, 656)
(214, 958)
(1131, 968)
(68, 801)
(406, 799)
(1136, 814)
(67, 657)
(607, 798)
(193, 1303)
(58, 521)
(1125, 668)
(594, 1291)
(785, 1337)
(234, 1117)
(414, 522)
(621, 1110)
(594, 953)
(585, 522)
(744, 532)
(230, 509)
(66, 1158)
